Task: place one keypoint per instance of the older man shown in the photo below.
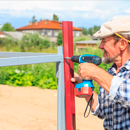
(113, 102)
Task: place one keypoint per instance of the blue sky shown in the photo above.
(83, 13)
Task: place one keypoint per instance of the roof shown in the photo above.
(87, 42)
(15, 35)
(1, 33)
(46, 24)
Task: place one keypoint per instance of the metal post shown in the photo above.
(60, 94)
(68, 74)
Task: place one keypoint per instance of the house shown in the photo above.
(84, 44)
(47, 28)
(2, 35)
(15, 35)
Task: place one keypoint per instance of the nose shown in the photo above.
(101, 46)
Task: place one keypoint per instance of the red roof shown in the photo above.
(2, 33)
(47, 24)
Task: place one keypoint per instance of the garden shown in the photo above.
(38, 75)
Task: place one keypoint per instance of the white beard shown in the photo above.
(108, 60)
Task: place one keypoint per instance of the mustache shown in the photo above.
(104, 51)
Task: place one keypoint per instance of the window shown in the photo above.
(53, 33)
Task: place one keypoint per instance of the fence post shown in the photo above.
(60, 93)
(67, 29)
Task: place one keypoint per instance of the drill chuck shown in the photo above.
(75, 59)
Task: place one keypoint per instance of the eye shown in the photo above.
(103, 41)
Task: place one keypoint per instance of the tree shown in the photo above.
(84, 30)
(59, 38)
(55, 17)
(90, 31)
(34, 19)
(95, 29)
(7, 27)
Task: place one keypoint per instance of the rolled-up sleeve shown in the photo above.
(115, 83)
(120, 91)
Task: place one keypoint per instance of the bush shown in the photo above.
(33, 41)
(59, 39)
(8, 42)
(40, 75)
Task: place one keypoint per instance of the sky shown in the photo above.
(83, 13)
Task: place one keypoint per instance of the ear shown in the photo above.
(123, 44)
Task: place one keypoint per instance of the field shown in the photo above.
(32, 108)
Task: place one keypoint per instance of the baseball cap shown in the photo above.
(119, 24)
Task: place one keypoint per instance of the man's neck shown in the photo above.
(124, 58)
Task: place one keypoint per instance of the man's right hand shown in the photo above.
(76, 79)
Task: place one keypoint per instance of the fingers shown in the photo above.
(76, 75)
(76, 79)
(73, 80)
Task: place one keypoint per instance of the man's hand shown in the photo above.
(76, 79)
(86, 70)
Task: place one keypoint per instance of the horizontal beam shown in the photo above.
(30, 60)
(19, 54)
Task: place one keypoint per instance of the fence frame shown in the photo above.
(24, 58)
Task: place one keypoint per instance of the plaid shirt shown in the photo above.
(114, 107)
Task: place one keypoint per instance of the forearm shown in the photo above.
(103, 78)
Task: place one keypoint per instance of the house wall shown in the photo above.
(2, 36)
(77, 33)
(51, 33)
(43, 32)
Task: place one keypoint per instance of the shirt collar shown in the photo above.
(126, 66)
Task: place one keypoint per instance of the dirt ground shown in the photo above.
(32, 108)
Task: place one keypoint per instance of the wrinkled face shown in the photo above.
(110, 50)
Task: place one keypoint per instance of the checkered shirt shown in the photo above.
(114, 107)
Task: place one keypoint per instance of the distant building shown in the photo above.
(2, 35)
(84, 44)
(47, 28)
(15, 35)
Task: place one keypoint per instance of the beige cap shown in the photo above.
(120, 24)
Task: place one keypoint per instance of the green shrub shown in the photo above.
(40, 75)
(33, 41)
(59, 39)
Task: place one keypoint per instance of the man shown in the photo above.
(113, 102)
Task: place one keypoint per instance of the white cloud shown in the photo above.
(127, 11)
(83, 6)
(66, 10)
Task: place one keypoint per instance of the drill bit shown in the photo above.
(68, 57)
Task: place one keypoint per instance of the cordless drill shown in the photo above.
(85, 89)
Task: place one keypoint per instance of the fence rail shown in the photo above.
(65, 91)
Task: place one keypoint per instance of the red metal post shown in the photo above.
(67, 30)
